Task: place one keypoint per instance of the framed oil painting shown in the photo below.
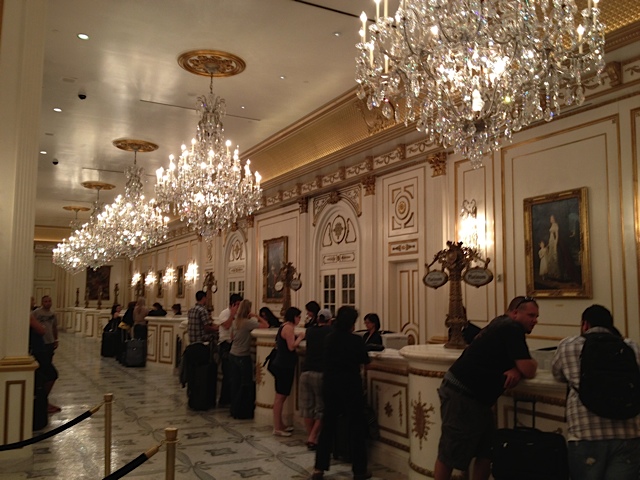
(180, 281)
(98, 283)
(557, 245)
(275, 254)
(159, 286)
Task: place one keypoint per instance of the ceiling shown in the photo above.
(135, 89)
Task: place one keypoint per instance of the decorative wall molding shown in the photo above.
(403, 247)
(438, 162)
(352, 195)
(369, 184)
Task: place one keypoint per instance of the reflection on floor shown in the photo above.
(212, 445)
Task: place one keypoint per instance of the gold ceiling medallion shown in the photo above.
(98, 185)
(76, 208)
(211, 63)
(133, 145)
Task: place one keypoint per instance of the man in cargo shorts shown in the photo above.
(496, 360)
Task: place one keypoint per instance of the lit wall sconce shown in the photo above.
(468, 234)
(169, 276)
(135, 279)
(150, 279)
(191, 275)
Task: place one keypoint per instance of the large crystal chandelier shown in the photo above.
(472, 72)
(87, 246)
(206, 186)
(130, 225)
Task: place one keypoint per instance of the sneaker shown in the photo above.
(281, 433)
(289, 428)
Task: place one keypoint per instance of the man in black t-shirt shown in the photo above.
(497, 359)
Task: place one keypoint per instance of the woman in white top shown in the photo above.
(242, 384)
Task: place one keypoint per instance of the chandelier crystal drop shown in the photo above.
(206, 186)
(472, 72)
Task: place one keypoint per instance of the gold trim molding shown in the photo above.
(211, 63)
(134, 145)
(425, 373)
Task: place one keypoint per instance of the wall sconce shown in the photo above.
(468, 224)
(150, 279)
(135, 279)
(169, 276)
(191, 275)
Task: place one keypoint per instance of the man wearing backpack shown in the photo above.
(601, 369)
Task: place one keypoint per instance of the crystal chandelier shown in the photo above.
(472, 72)
(130, 225)
(86, 247)
(206, 185)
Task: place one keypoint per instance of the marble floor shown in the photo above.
(212, 445)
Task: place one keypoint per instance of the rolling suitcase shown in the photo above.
(109, 345)
(201, 389)
(526, 453)
(135, 353)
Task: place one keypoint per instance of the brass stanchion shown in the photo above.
(108, 399)
(171, 440)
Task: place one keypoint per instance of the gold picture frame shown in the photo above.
(180, 281)
(275, 255)
(159, 285)
(557, 245)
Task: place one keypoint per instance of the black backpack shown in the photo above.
(609, 377)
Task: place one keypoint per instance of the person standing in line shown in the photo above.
(283, 367)
(140, 311)
(224, 322)
(200, 326)
(312, 309)
(49, 321)
(242, 384)
(311, 403)
(343, 394)
(599, 448)
(497, 359)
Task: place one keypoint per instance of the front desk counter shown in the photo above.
(162, 332)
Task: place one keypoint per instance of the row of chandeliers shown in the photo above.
(207, 187)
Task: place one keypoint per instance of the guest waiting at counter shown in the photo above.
(242, 384)
(312, 309)
(311, 403)
(176, 309)
(372, 324)
(343, 394)
(157, 311)
(113, 323)
(139, 323)
(266, 314)
(283, 367)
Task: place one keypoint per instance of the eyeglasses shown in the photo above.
(526, 300)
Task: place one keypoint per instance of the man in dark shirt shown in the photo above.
(497, 359)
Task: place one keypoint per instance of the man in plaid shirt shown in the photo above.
(599, 448)
(200, 325)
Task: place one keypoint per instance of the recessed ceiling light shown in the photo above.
(83, 36)
(282, 77)
(43, 152)
(57, 109)
(242, 107)
(336, 34)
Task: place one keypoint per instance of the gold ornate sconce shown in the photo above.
(288, 279)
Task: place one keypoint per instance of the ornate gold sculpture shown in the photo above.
(289, 279)
(457, 259)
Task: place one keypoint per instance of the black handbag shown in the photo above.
(526, 453)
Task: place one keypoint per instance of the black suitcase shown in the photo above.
(109, 345)
(245, 408)
(135, 353)
(201, 388)
(526, 453)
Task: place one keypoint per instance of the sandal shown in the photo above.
(311, 446)
(281, 433)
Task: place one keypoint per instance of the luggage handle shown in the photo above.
(530, 400)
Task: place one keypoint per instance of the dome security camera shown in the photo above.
(82, 95)
(55, 161)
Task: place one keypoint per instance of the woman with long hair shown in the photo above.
(312, 309)
(283, 366)
(241, 366)
(266, 314)
(139, 323)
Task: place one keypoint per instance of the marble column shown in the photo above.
(22, 37)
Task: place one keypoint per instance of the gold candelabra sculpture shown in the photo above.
(210, 285)
(116, 291)
(457, 260)
(288, 279)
